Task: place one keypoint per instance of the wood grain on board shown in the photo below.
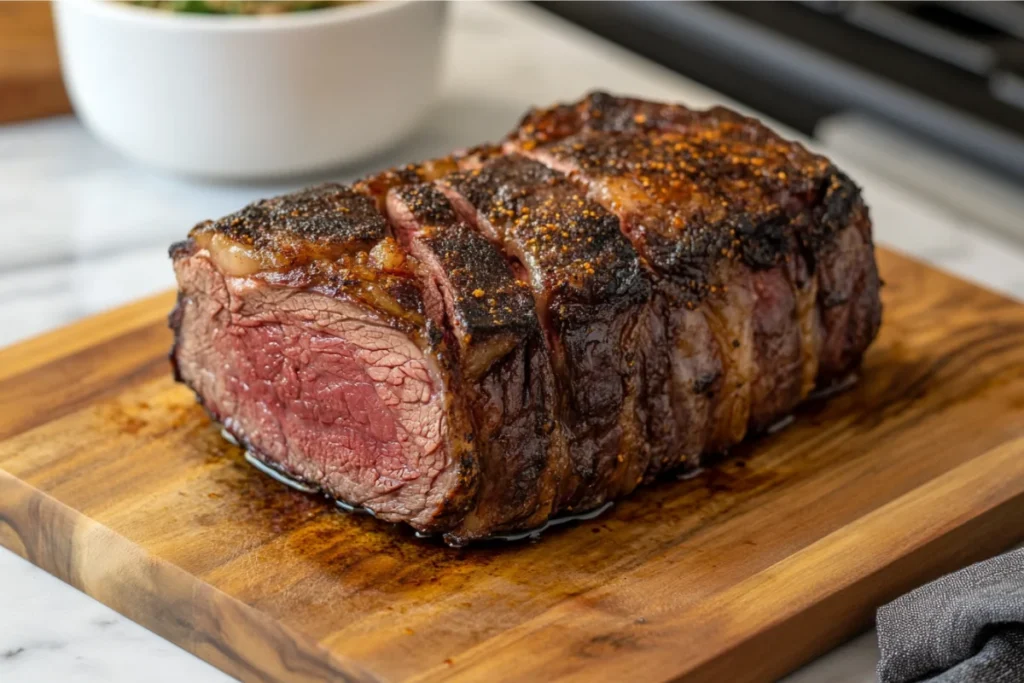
(30, 79)
(113, 479)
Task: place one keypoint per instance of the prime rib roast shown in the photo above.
(477, 344)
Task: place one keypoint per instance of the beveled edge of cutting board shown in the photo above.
(982, 503)
(968, 514)
(110, 568)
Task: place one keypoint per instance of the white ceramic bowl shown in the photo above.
(250, 96)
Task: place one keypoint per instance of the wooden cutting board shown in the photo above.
(113, 479)
(30, 80)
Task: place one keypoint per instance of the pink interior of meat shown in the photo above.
(438, 298)
(320, 389)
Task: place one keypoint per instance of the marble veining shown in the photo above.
(85, 230)
(51, 632)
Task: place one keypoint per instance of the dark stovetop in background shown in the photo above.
(950, 72)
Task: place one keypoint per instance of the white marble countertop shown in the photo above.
(85, 230)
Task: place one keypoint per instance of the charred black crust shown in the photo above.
(488, 304)
(591, 289)
(182, 249)
(752, 196)
(576, 243)
(767, 242)
(487, 297)
(503, 186)
(379, 184)
(406, 294)
(327, 215)
(837, 199)
(428, 204)
(604, 113)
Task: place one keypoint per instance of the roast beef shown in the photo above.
(591, 296)
(476, 344)
(504, 371)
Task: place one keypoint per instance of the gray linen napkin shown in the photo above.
(967, 626)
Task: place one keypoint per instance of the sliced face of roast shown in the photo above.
(301, 328)
(592, 296)
(504, 369)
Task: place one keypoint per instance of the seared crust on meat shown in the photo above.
(721, 172)
(692, 199)
(592, 295)
(321, 221)
(618, 290)
(569, 244)
(599, 112)
(504, 368)
(487, 298)
(732, 217)
(378, 185)
(329, 237)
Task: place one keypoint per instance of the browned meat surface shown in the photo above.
(592, 297)
(504, 369)
(737, 221)
(476, 343)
